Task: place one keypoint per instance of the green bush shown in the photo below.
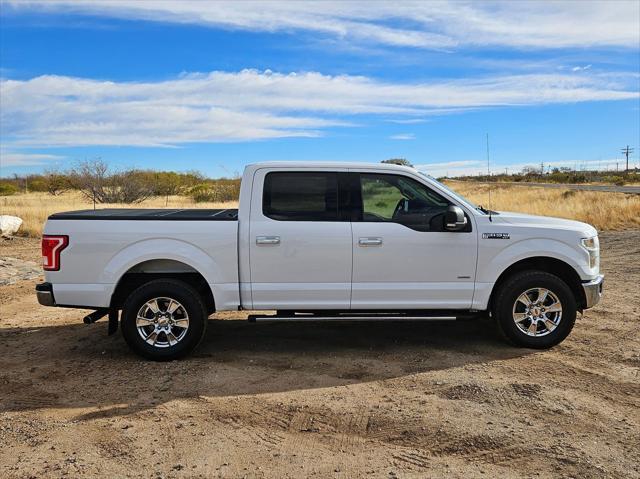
(7, 189)
(616, 180)
(218, 191)
(37, 184)
(200, 193)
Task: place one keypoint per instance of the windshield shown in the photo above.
(450, 191)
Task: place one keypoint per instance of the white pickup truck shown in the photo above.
(321, 241)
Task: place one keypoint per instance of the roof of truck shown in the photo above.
(329, 164)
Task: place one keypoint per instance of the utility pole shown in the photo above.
(542, 167)
(488, 170)
(626, 152)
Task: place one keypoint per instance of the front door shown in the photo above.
(402, 256)
(300, 241)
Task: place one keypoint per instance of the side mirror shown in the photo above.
(454, 219)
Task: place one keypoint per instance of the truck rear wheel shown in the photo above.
(164, 319)
(535, 309)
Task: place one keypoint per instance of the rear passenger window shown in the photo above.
(301, 196)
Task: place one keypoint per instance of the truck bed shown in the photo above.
(149, 214)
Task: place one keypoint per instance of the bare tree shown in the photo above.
(93, 179)
(128, 186)
(90, 178)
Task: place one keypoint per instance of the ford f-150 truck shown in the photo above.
(321, 241)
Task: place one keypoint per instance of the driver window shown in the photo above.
(399, 199)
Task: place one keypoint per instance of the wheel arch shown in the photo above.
(161, 268)
(547, 264)
(156, 258)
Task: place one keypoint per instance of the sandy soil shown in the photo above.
(323, 400)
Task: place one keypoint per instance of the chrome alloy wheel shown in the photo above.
(162, 322)
(537, 312)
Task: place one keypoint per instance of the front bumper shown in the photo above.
(593, 291)
(44, 292)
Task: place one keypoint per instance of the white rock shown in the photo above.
(9, 225)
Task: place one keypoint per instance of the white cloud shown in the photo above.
(448, 164)
(440, 24)
(249, 105)
(403, 136)
(12, 158)
(451, 168)
(408, 121)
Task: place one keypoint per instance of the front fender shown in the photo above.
(492, 266)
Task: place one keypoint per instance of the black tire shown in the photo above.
(190, 302)
(516, 285)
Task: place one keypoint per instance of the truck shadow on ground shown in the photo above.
(78, 366)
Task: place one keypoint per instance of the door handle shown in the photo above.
(370, 241)
(267, 240)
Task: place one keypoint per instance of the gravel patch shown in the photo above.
(13, 270)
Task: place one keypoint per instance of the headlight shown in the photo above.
(592, 245)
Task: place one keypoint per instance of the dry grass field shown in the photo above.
(605, 211)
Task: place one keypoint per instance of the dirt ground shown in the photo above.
(324, 399)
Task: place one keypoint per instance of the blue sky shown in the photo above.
(213, 86)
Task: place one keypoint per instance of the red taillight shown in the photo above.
(52, 246)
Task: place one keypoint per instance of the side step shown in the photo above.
(253, 318)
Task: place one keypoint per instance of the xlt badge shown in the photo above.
(495, 236)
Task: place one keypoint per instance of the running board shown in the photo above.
(253, 318)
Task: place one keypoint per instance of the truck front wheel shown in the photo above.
(535, 309)
(164, 319)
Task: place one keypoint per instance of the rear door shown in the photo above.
(402, 256)
(300, 240)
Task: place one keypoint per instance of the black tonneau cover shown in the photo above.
(158, 214)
